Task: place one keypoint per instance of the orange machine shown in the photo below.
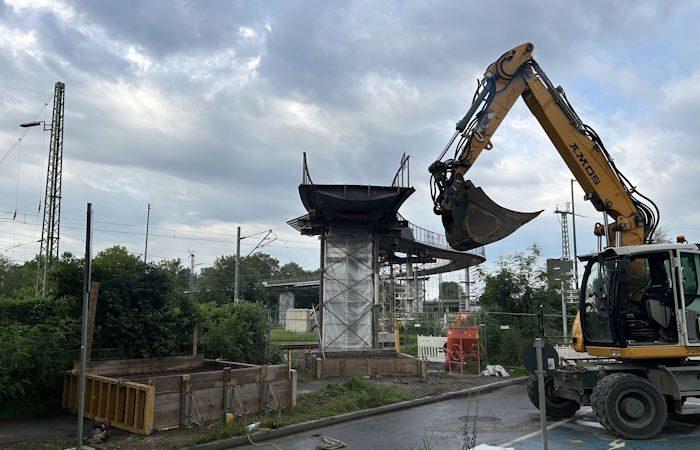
(462, 343)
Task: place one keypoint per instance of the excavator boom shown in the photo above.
(472, 219)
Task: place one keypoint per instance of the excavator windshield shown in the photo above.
(597, 318)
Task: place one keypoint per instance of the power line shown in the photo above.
(26, 130)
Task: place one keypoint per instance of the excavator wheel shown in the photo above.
(558, 408)
(629, 406)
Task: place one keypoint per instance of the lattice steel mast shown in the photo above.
(565, 248)
(50, 230)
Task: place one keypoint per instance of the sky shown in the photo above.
(204, 109)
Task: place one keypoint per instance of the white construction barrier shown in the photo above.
(431, 348)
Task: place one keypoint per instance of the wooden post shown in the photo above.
(194, 342)
(92, 309)
(263, 391)
(185, 406)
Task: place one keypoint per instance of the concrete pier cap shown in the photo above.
(361, 232)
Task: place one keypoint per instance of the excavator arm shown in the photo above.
(472, 219)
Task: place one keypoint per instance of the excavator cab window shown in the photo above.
(690, 264)
(647, 304)
(597, 320)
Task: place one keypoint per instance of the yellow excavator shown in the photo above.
(639, 305)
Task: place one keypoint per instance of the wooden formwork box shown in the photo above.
(172, 400)
(404, 365)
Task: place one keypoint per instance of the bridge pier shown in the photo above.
(285, 302)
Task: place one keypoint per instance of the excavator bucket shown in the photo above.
(477, 220)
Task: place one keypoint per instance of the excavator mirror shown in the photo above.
(476, 220)
(624, 271)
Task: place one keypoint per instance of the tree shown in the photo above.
(661, 236)
(235, 332)
(451, 290)
(519, 284)
(217, 283)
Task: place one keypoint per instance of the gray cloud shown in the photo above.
(204, 109)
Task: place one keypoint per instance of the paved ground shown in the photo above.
(41, 429)
(506, 417)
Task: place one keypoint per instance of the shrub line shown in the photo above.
(327, 421)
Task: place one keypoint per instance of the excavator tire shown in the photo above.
(558, 408)
(629, 406)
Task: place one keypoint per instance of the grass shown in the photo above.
(354, 394)
(291, 336)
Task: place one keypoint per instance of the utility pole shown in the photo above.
(565, 248)
(50, 230)
(191, 275)
(573, 223)
(148, 219)
(237, 285)
(467, 290)
(565, 256)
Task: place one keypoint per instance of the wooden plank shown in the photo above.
(148, 410)
(92, 309)
(206, 380)
(210, 403)
(354, 367)
(166, 411)
(121, 396)
(94, 397)
(129, 407)
(194, 341)
(280, 372)
(280, 388)
(166, 385)
(102, 399)
(293, 389)
(185, 390)
(213, 364)
(140, 405)
(240, 377)
(263, 378)
(329, 367)
(111, 401)
(87, 393)
(143, 365)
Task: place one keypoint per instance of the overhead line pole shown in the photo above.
(236, 298)
(148, 219)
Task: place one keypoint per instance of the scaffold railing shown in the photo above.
(434, 239)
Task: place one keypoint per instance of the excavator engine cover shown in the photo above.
(476, 220)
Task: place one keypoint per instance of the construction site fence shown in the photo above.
(505, 335)
(101, 354)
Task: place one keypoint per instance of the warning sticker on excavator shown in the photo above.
(486, 121)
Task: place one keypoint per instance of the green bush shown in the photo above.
(237, 332)
(32, 362)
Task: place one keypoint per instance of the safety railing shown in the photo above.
(434, 239)
(292, 281)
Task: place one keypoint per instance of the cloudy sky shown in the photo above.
(203, 110)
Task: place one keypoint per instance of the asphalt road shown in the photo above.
(506, 416)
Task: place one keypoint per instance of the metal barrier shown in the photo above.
(101, 354)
